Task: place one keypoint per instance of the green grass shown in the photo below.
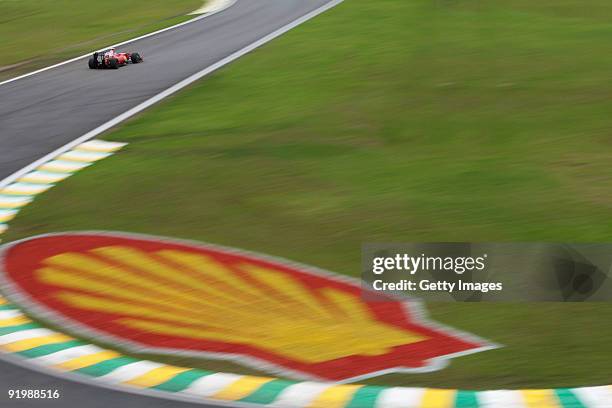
(36, 33)
(389, 121)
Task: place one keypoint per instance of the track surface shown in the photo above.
(41, 113)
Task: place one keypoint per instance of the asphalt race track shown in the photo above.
(41, 113)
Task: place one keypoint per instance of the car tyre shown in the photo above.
(92, 63)
(113, 63)
(136, 58)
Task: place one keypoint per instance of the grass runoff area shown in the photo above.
(389, 121)
(36, 33)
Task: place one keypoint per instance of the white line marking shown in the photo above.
(63, 166)
(24, 188)
(62, 356)
(7, 215)
(25, 335)
(500, 399)
(9, 314)
(300, 394)
(130, 371)
(231, 3)
(595, 397)
(83, 156)
(211, 384)
(399, 397)
(43, 177)
(164, 94)
(100, 146)
(7, 201)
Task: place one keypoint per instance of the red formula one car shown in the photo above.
(113, 60)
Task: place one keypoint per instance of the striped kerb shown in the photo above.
(107, 366)
(98, 362)
(568, 399)
(181, 381)
(20, 192)
(268, 392)
(365, 397)
(43, 350)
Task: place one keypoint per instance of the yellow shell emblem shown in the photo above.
(164, 296)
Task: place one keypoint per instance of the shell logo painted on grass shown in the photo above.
(166, 296)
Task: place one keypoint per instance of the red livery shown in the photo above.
(113, 60)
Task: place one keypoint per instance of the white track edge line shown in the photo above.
(164, 94)
(193, 20)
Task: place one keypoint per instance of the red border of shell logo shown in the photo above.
(169, 296)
